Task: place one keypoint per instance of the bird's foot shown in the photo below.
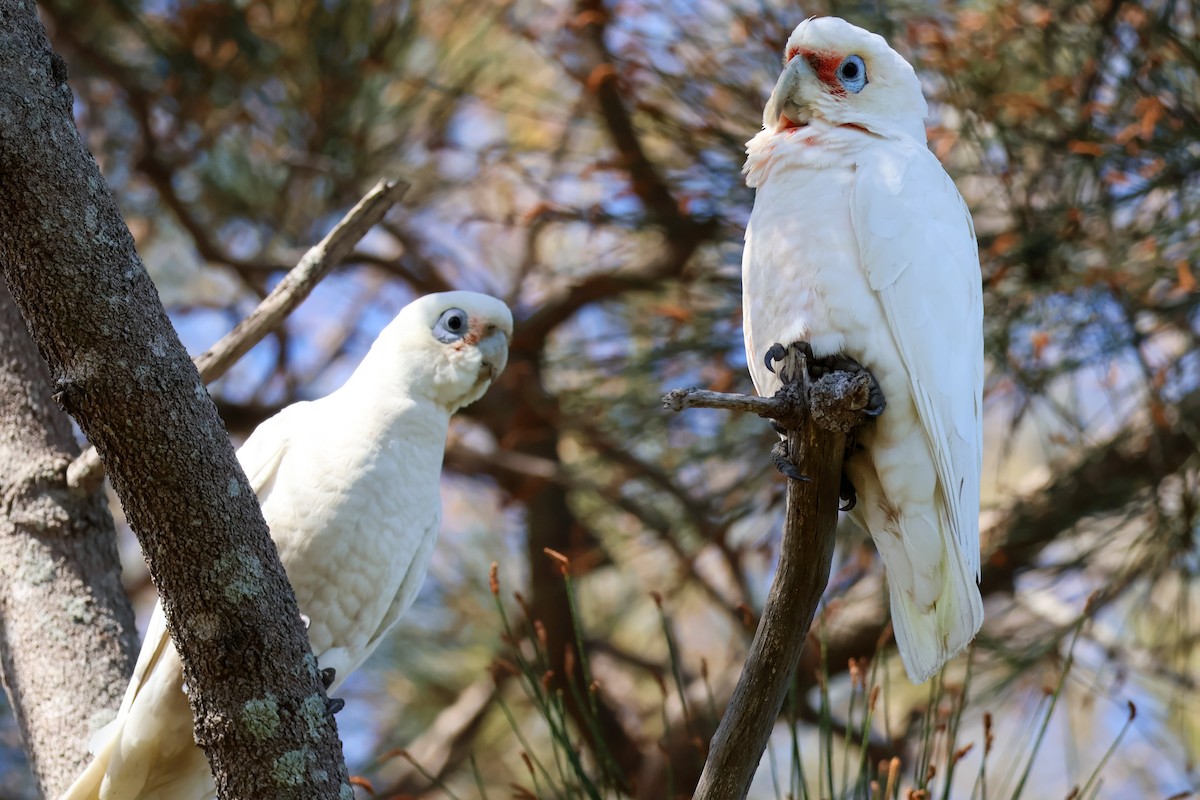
(838, 362)
(777, 352)
(847, 493)
(334, 704)
(779, 455)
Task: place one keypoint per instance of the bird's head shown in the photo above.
(845, 76)
(456, 344)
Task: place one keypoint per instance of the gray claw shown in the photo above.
(779, 455)
(776, 353)
(848, 494)
(335, 705)
(327, 676)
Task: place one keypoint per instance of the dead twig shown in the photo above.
(87, 471)
(818, 416)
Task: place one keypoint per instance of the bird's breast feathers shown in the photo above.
(817, 145)
(801, 271)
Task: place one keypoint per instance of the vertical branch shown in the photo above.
(61, 599)
(818, 418)
(120, 370)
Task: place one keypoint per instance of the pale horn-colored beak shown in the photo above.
(783, 98)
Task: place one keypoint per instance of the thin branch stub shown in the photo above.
(837, 401)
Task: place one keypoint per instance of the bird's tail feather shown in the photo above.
(87, 786)
(929, 636)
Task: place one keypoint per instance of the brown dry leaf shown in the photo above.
(1039, 339)
(1082, 148)
(673, 311)
(1187, 280)
(1003, 243)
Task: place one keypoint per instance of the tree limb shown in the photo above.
(122, 373)
(602, 80)
(816, 448)
(1012, 539)
(61, 599)
(86, 472)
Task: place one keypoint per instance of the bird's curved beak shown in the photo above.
(788, 106)
(494, 348)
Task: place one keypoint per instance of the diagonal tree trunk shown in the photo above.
(120, 370)
(61, 600)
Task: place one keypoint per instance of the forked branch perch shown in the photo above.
(818, 415)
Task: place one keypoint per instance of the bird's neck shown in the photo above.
(391, 395)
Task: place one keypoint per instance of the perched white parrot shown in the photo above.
(860, 245)
(349, 487)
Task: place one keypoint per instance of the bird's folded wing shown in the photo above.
(918, 246)
(420, 539)
(261, 453)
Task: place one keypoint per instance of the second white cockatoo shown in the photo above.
(860, 245)
(349, 485)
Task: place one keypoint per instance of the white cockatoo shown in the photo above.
(349, 485)
(860, 246)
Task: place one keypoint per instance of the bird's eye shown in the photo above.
(853, 74)
(451, 325)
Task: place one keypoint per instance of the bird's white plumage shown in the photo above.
(349, 485)
(860, 244)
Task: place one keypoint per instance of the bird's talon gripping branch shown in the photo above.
(838, 362)
(327, 676)
(776, 353)
(334, 705)
(779, 455)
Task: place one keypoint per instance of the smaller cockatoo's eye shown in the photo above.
(451, 325)
(852, 72)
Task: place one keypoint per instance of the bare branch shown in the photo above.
(767, 407)
(816, 449)
(445, 742)
(58, 555)
(85, 473)
(119, 368)
(603, 81)
(318, 262)
(836, 401)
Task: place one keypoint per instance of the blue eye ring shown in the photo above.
(451, 325)
(852, 73)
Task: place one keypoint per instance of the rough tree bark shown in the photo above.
(61, 599)
(818, 417)
(120, 370)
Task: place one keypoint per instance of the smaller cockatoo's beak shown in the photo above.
(494, 347)
(788, 105)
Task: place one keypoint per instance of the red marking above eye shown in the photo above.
(825, 63)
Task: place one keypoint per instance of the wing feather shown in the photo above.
(917, 243)
(263, 451)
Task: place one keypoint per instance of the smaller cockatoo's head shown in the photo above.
(454, 344)
(845, 76)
